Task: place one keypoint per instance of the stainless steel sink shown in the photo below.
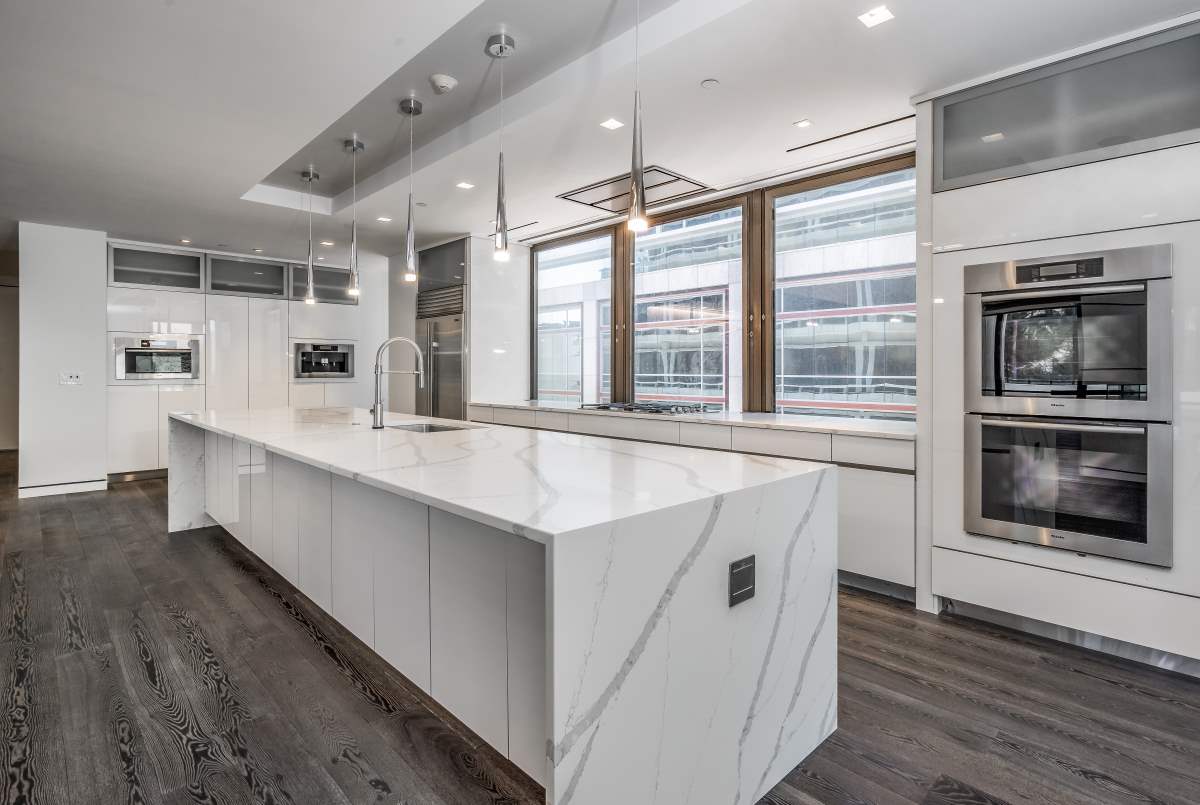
(427, 427)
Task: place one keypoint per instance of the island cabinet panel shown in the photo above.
(467, 600)
(302, 543)
(401, 581)
(262, 506)
(528, 721)
(220, 479)
(240, 500)
(287, 477)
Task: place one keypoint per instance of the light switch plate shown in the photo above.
(70, 378)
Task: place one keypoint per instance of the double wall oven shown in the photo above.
(1068, 392)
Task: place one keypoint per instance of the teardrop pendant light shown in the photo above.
(500, 47)
(310, 176)
(637, 181)
(354, 145)
(412, 108)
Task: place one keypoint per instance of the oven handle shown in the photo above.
(1085, 290)
(1010, 423)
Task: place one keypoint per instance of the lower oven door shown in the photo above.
(1093, 487)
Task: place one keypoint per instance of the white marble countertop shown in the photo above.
(534, 483)
(874, 428)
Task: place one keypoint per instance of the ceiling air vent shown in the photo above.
(612, 195)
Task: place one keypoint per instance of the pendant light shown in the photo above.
(637, 181)
(410, 107)
(354, 146)
(500, 47)
(310, 176)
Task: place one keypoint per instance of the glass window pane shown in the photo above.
(687, 280)
(845, 299)
(574, 321)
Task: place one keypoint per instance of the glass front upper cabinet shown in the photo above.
(1134, 97)
(329, 284)
(156, 268)
(246, 277)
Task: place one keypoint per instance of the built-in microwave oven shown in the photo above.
(1092, 486)
(324, 361)
(1080, 335)
(156, 358)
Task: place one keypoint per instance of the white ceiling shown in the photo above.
(152, 121)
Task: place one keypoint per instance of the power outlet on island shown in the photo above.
(741, 580)
(70, 378)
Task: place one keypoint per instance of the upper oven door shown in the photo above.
(156, 359)
(1086, 350)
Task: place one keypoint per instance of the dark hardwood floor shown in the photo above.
(141, 668)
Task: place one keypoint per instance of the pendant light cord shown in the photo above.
(637, 48)
(502, 105)
(412, 123)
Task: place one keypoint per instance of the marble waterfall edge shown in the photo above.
(185, 478)
(662, 692)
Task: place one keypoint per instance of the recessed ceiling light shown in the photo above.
(320, 258)
(612, 124)
(184, 240)
(802, 124)
(422, 204)
(258, 251)
(327, 243)
(875, 16)
(995, 137)
(937, 300)
(383, 219)
(710, 83)
(464, 185)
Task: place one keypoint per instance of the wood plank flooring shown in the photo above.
(141, 668)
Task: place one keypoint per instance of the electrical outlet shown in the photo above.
(69, 378)
(741, 580)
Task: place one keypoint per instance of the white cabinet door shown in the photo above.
(324, 322)
(240, 511)
(226, 514)
(186, 314)
(302, 530)
(269, 362)
(468, 640)
(227, 360)
(877, 524)
(286, 485)
(137, 310)
(341, 394)
(262, 506)
(133, 429)
(175, 398)
(308, 395)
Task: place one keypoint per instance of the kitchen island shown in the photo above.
(570, 598)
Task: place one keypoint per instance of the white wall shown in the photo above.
(401, 320)
(373, 314)
(9, 365)
(63, 428)
(498, 324)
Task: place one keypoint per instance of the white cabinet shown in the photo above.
(877, 524)
(174, 398)
(133, 428)
(240, 511)
(268, 358)
(513, 416)
(302, 542)
(787, 443)
(220, 481)
(324, 322)
(526, 614)
(468, 627)
(137, 310)
(262, 507)
(308, 395)
(341, 394)
(226, 359)
(185, 312)
(381, 574)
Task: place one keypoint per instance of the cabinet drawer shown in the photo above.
(618, 427)
(787, 443)
(479, 413)
(552, 420)
(871, 452)
(514, 417)
(717, 437)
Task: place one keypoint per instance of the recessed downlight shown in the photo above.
(383, 219)
(875, 16)
(258, 251)
(320, 258)
(464, 185)
(802, 124)
(710, 83)
(184, 241)
(327, 243)
(612, 124)
(994, 137)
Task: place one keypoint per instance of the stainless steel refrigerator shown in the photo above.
(441, 340)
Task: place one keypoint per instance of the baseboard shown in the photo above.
(142, 475)
(61, 489)
(877, 586)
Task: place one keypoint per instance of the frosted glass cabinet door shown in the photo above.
(1134, 97)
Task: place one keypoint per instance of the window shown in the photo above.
(687, 336)
(845, 298)
(574, 321)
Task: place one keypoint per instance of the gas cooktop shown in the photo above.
(657, 407)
